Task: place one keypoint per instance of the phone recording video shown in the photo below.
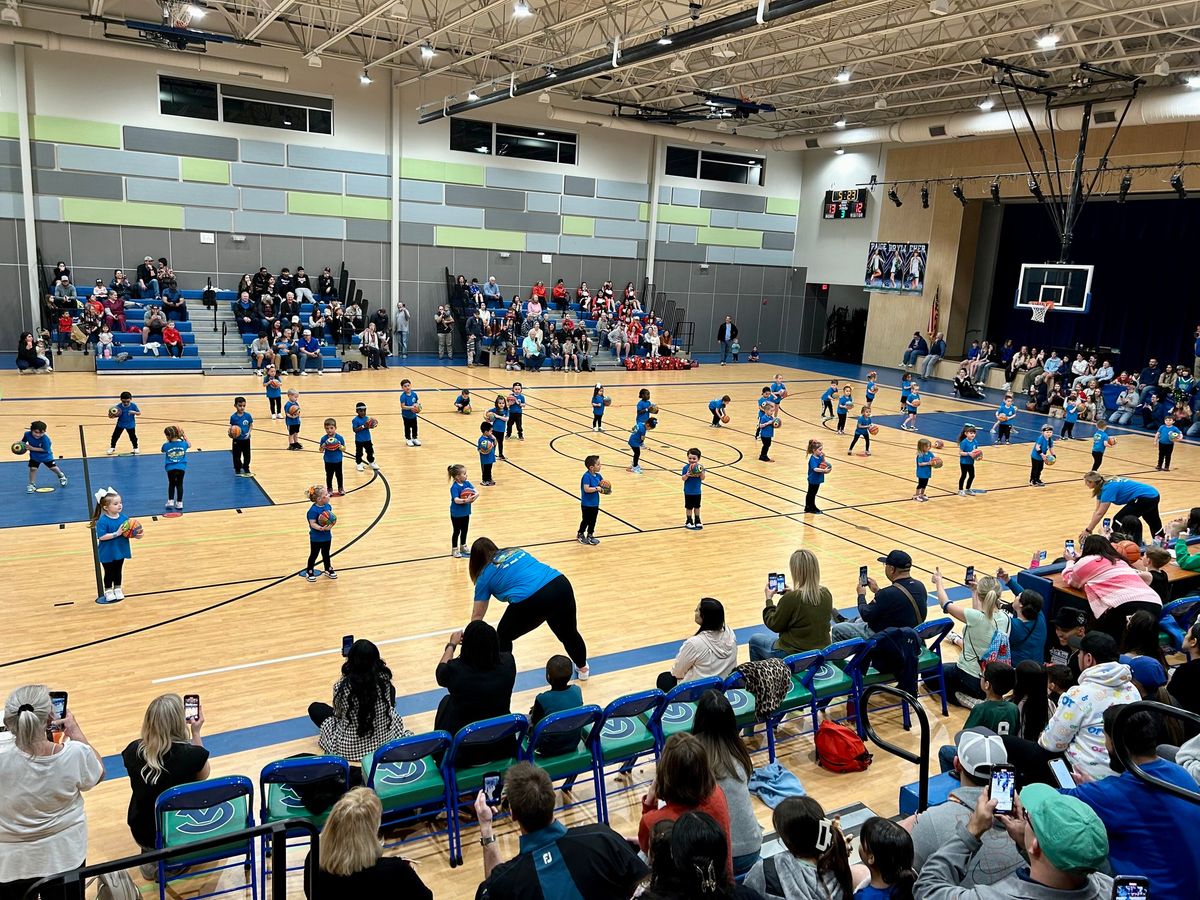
(1069, 549)
(1003, 786)
(1131, 887)
(862, 576)
(191, 707)
(347, 643)
(969, 578)
(1108, 524)
(58, 700)
(493, 786)
(773, 583)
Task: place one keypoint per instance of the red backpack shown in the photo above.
(839, 749)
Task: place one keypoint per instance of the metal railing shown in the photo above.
(920, 759)
(1127, 760)
(74, 883)
(224, 331)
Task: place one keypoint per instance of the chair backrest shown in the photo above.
(843, 650)
(567, 721)
(800, 663)
(1183, 611)
(488, 731)
(301, 772)
(409, 750)
(678, 697)
(628, 706)
(934, 630)
(858, 659)
(204, 809)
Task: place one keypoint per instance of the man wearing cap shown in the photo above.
(977, 750)
(65, 295)
(308, 349)
(1069, 622)
(147, 278)
(1063, 839)
(1151, 832)
(902, 604)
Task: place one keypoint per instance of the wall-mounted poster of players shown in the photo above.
(896, 268)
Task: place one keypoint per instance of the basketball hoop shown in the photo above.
(1039, 310)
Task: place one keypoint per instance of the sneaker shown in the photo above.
(416, 443)
(955, 638)
(409, 442)
(922, 499)
(310, 575)
(849, 452)
(118, 594)
(111, 450)
(520, 437)
(867, 453)
(30, 489)
(108, 596)
(322, 372)
(179, 505)
(966, 702)
(148, 871)
(305, 375)
(359, 467)
(582, 538)
(601, 428)
(329, 573)
(136, 451)
(583, 673)
(964, 493)
(374, 466)
(593, 540)
(689, 526)
(170, 504)
(247, 474)
(699, 526)
(454, 551)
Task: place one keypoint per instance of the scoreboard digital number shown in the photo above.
(850, 204)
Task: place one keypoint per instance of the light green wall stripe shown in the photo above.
(580, 225)
(365, 208)
(433, 170)
(213, 171)
(729, 237)
(314, 204)
(8, 124)
(115, 212)
(644, 211)
(480, 238)
(783, 206)
(76, 131)
(682, 215)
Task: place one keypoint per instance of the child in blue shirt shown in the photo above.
(240, 450)
(460, 510)
(589, 503)
(364, 444)
(914, 401)
(693, 477)
(320, 536)
(766, 429)
(1071, 410)
(332, 445)
(112, 543)
(486, 445)
(925, 460)
(561, 697)
(1099, 443)
(1043, 450)
(175, 462)
(516, 405)
(827, 400)
(872, 387)
(890, 851)
(968, 446)
(410, 405)
(778, 389)
(1003, 427)
(499, 416)
(644, 407)
(845, 401)
(763, 402)
(818, 468)
(291, 418)
(905, 388)
(862, 429)
(599, 401)
(717, 408)
(274, 389)
(40, 454)
(1168, 434)
(462, 403)
(636, 438)
(126, 413)
(753, 353)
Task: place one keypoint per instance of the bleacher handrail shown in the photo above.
(224, 331)
(921, 759)
(1130, 764)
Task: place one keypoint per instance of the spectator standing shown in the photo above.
(443, 322)
(727, 333)
(1115, 591)
(902, 604)
(802, 617)
(403, 317)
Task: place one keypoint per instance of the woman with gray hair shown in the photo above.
(43, 829)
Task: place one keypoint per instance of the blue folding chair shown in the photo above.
(677, 710)
(408, 779)
(800, 696)
(581, 760)
(740, 700)
(930, 667)
(1177, 618)
(279, 798)
(621, 736)
(465, 781)
(198, 811)
(836, 676)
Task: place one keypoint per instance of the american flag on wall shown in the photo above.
(935, 309)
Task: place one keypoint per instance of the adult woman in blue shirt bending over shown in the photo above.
(1137, 501)
(535, 594)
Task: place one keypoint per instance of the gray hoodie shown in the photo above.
(798, 879)
(997, 859)
(707, 654)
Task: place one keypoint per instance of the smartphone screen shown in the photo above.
(1062, 773)
(1107, 524)
(773, 583)
(970, 576)
(347, 643)
(1131, 887)
(1003, 784)
(1042, 556)
(492, 783)
(862, 576)
(1069, 550)
(191, 707)
(58, 700)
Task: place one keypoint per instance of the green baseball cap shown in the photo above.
(1068, 830)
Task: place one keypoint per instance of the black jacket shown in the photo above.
(732, 329)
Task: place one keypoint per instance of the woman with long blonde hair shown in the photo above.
(802, 616)
(352, 863)
(168, 753)
(982, 619)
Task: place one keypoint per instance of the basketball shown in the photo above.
(113, 412)
(824, 468)
(490, 416)
(512, 399)
(778, 423)
(487, 446)
(1112, 442)
(235, 432)
(333, 444)
(296, 411)
(1051, 459)
(274, 383)
(914, 402)
(695, 469)
(937, 462)
(1001, 417)
(416, 407)
(466, 408)
(327, 519)
(938, 445)
(608, 401)
(19, 448)
(1128, 551)
(468, 495)
(783, 395)
(725, 419)
(976, 454)
(374, 422)
(1176, 436)
(131, 528)
(874, 429)
(605, 486)
(653, 409)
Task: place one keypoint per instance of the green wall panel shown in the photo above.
(365, 208)
(678, 215)
(479, 238)
(433, 170)
(580, 225)
(76, 131)
(303, 203)
(729, 237)
(8, 124)
(115, 212)
(213, 171)
(783, 206)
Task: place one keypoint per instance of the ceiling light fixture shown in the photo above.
(839, 122)
(551, 72)
(472, 95)
(521, 10)
(839, 151)
(314, 61)
(1048, 41)
(1193, 81)
(365, 77)
(987, 103)
(924, 196)
(544, 97)
(1162, 67)
(895, 198)
(996, 192)
(196, 12)
(427, 51)
(1123, 190)
(957, 191)
(842, 76)
(939, 7)
(881, 103)
(665, 40)
(1177, 185)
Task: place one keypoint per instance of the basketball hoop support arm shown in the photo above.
(1075, 199)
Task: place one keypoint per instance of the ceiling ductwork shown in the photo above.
(196, 62)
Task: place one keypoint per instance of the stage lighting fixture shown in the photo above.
(839, 122)
(427, 51)
(1036, 190)
(895, 198)
(365, 77)
(521, 10)
(996, 192)
(665, 39)
(1123, 190)
(987, 103)
(1177, 185)
(842, 76)
(957, 191)
(472, 95)
(924, 196)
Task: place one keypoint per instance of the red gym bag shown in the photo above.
(839, 749)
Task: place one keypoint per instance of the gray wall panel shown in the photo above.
(43, 154)
(754, 257)
(319, 253)
(422, 191)
(775, 281)
(78, 184)
(8, 243)
(185, 193)
(722, 218)
(507, 220)
(767, 222)
(54, 239)
(615, 228)
(416, 233)
(525, 181)
(189, 255)
(368, 185)
(662, 232)
(201, 219)
(679, 252)
(238, 258)
(306, 157)
(777, 240)
(302, 226)
(264, 199)
(286, 179)
(596, 246)
(117, 162)
(605, 209)
(428, 214)
(484, 198)
(579, 187)
(97, 245)
(720, 254)
(537, 202)
(10, 180)
(727, 278)
(739, 202)
(364, 260)
(622, 190)
(685, 197)
(367, 230)
(180, 143)
(278, 252)
(266, 152)
(542, 243)
(683, 234)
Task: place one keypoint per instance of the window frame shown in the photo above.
(287, 102)
(562, 141)
(718, 158)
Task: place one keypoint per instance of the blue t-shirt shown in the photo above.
(778, 389)
(310, 345)
(763, 401)
(290, 409)
(125, 419)
(242, 421)
(844, 403)
(408, 398)
(332, 446)
(1122, 491)
(1098, 442)
(815, 477)
(966, 446)
(1042, 445)
(318, 537)
(273, 393)
(362, 434)
(911, 405)
(925, 464)
(598, 405)
(175, 453)
(905, 387)
(828, 395)
(513, 575)
(862, 425)
(39, 447)
(118, 547)
(873, 893)
(517, 404)
(637, 435)
(1072, 411)
(501, 417)
(766, 425)
(487, 448)
(460, 401)
(692, 484)
(1006, 409)
(589, 479)
(459, 510)
(715, 405)
(872, 390)
(1165, 432)
(643, 411)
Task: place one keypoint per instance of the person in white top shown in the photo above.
(43, 829)
(982, 619)
(711, 651)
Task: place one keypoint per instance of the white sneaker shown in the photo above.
(136, 451)
(374, 466)
(409, 442)
(118, 594)
(30, 489)
(359, 467)
(303, 374)
(416, 443)
(170, 504)
(582, 674)
(179, 504)
(111, 450)
(109, 595)
(320, 371)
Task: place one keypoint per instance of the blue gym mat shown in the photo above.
(141, 481)
(946, 426)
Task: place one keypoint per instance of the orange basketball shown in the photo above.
(874, 429)
(653, 409)
(296, 411)
(1001, 417)
(976, 454)
(938, 445)
(416, 407)
(914, 402)
(235, 432)
(725, 419)
(605, 486)
(372, 422)
(937, 462)
(113, 412)
(1112, 442)
(468, 495)
(274, 383)
(778, 423)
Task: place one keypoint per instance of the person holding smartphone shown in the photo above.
(43, 827)
(801, 618)
(985, 634)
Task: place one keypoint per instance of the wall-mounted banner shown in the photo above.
(896, 268)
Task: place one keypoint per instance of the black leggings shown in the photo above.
(516, 421)
(498, 437)
(841, 421)
(810, 499)
(1164, 455)
(637, 455)
(276, 404)
(1003, 431)
(364, 447)
(1068, 430)
(553, 604)
(598, 420)
(460, 525)
(332, 471)
(112, 573)
(15, 890)
(827, 408)
(117, 433)
(716, 417)
(922, 483)
(487, 471)
(322, 548)
(241, 455)
(966, 475)
(587, 521)
(861, 434)
(1142, 508)
(1097, 458)
(175, 484)
(1035, 470)
(766, 449)
(410, 429)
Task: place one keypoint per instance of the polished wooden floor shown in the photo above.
(212, 608)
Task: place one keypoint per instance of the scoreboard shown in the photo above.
(848, 204)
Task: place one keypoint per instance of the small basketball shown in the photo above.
(938, 445)
(235, 432)
(486, 446)
(824, 468)
(490, 416)
(372, 422)
(1051, 459)
(1001, 417)
(783, 395)
(725, 419)
(467, 495)
(914, 402)
(333, 445)
(131, 528)
(113, 412)
(695, 469)
(274, 383)
(465, 408)
(937, 462)
(976, 454)
(605, 486)
(327, 519)
(1112, 442)
(19, 448)
(653, 409)
(873, 429)
(608, 401)
(778, 423)
(295, 411)
(416, 407)
(512, 399)
(1176, 436)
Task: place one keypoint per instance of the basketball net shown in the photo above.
(1039, 310)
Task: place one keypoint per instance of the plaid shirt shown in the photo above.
(339, 733)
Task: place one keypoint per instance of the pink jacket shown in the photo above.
(1107, 584)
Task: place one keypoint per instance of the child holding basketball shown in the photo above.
(175, 462)
(872, 387)
(320, 527)
(599, 401)
(693, 480)
(766, 429)
(462, 403)
(1100, 442)
(291, 418)
(827, 400)
(462, 495)
(274, 392)
(332, 445)
(516, 405)
(845, 401)
(1043, 450)
(914, 401)
(364, 445)
(410, 405)
(486, 445)
(968, 449)
(37, 442)
(499, 416)
(862, 429)
(717, 408)
(1071, 410)
(126, 413)
(778, 389)
(589, 500)
(818, 468)
(1005, 413)
(636, 438)
(1168, 434)
(763, 402)
(643, 407)
(112, 542)
(240, 424)
(925, 460)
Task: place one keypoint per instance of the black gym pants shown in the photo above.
(587, 521)
(553, 604)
